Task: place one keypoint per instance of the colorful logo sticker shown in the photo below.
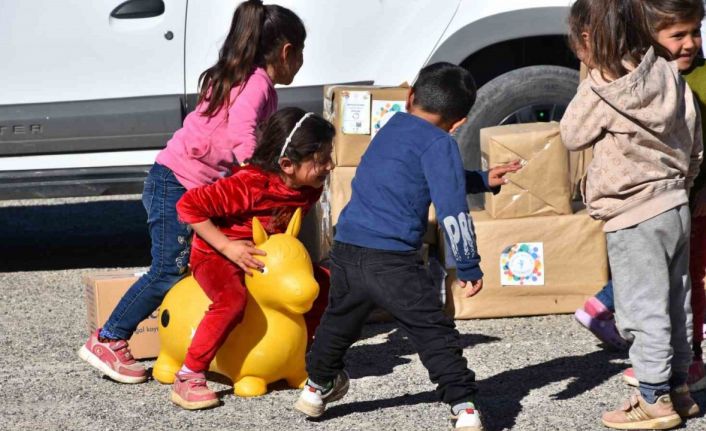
(382, 111)
(522, 264)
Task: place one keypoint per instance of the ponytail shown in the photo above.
(255, 36)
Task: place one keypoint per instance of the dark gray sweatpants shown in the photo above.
(650, 268)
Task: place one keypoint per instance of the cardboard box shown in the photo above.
(313, 233)
(541, 187)
(103, 291)
(351, 141)
(574, 266)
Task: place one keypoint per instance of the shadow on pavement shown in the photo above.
(381, 359)
(501, 394)
(85, 235)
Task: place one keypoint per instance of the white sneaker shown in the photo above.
(312, 402)
(468, 420)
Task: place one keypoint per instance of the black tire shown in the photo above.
(530, 92)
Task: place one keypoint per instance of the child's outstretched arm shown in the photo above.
(490, 180)
(446, 179)
(584, 119)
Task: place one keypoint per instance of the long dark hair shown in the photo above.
(619, 32)
(313, 137)
(256, 35)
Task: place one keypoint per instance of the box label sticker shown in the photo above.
(355, 110)
(522, 264)
(382, 111)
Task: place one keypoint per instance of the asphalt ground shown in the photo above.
(534, 373)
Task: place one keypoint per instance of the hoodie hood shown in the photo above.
(646, 94)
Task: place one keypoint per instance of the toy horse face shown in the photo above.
(287, 280)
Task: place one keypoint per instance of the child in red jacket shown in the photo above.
(287, 171)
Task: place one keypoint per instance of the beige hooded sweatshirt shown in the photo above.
(645, 129)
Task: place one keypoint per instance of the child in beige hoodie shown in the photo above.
(641, 119)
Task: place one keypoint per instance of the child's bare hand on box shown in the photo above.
(496, 175)
(472, 287)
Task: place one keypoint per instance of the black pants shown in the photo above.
(362, 278)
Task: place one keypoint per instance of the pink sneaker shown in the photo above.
(113, 358)
(697, 376)
(190, 392)
(629, 377)
(595, 317)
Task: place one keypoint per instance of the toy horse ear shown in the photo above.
(295, 223)
(259, 234)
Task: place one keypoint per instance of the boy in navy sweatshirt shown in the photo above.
(412, 162)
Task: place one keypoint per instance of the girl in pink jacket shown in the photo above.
(263, 48)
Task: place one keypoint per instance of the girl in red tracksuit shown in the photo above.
(287, 171)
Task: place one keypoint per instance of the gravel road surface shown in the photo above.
(537, 373)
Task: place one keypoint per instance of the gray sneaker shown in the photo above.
(313, 399)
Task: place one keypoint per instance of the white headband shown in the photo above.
(289, 138)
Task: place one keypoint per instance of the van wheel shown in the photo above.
(526, 95)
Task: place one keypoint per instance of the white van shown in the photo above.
(91, 90)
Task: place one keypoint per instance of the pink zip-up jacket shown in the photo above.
(206, 149)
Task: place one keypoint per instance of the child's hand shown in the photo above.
(699, 204)
(496, 175)
(242, 253)
(472, 287)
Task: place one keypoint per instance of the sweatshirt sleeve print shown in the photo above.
(446, 178)
(243, 116)
(583, 121)
(228, 196)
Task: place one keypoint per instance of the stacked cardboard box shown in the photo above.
(532, 265)
(357, 113)
(538, 257)
(103, 291)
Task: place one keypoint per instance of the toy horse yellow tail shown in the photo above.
(269, 344)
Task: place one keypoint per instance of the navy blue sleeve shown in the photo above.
(477, 182)
(446, 178)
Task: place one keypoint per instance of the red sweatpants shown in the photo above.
(697, 271)
(224, 284)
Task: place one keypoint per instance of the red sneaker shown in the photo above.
(190, 392)
(113, 358)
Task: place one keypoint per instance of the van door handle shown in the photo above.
(132, 9)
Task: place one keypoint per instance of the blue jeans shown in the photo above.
(171, 245)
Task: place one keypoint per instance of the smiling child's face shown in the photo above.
(683, 41)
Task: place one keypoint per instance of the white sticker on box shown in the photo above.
(355, 112)
(382, 111)
(522, 264)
